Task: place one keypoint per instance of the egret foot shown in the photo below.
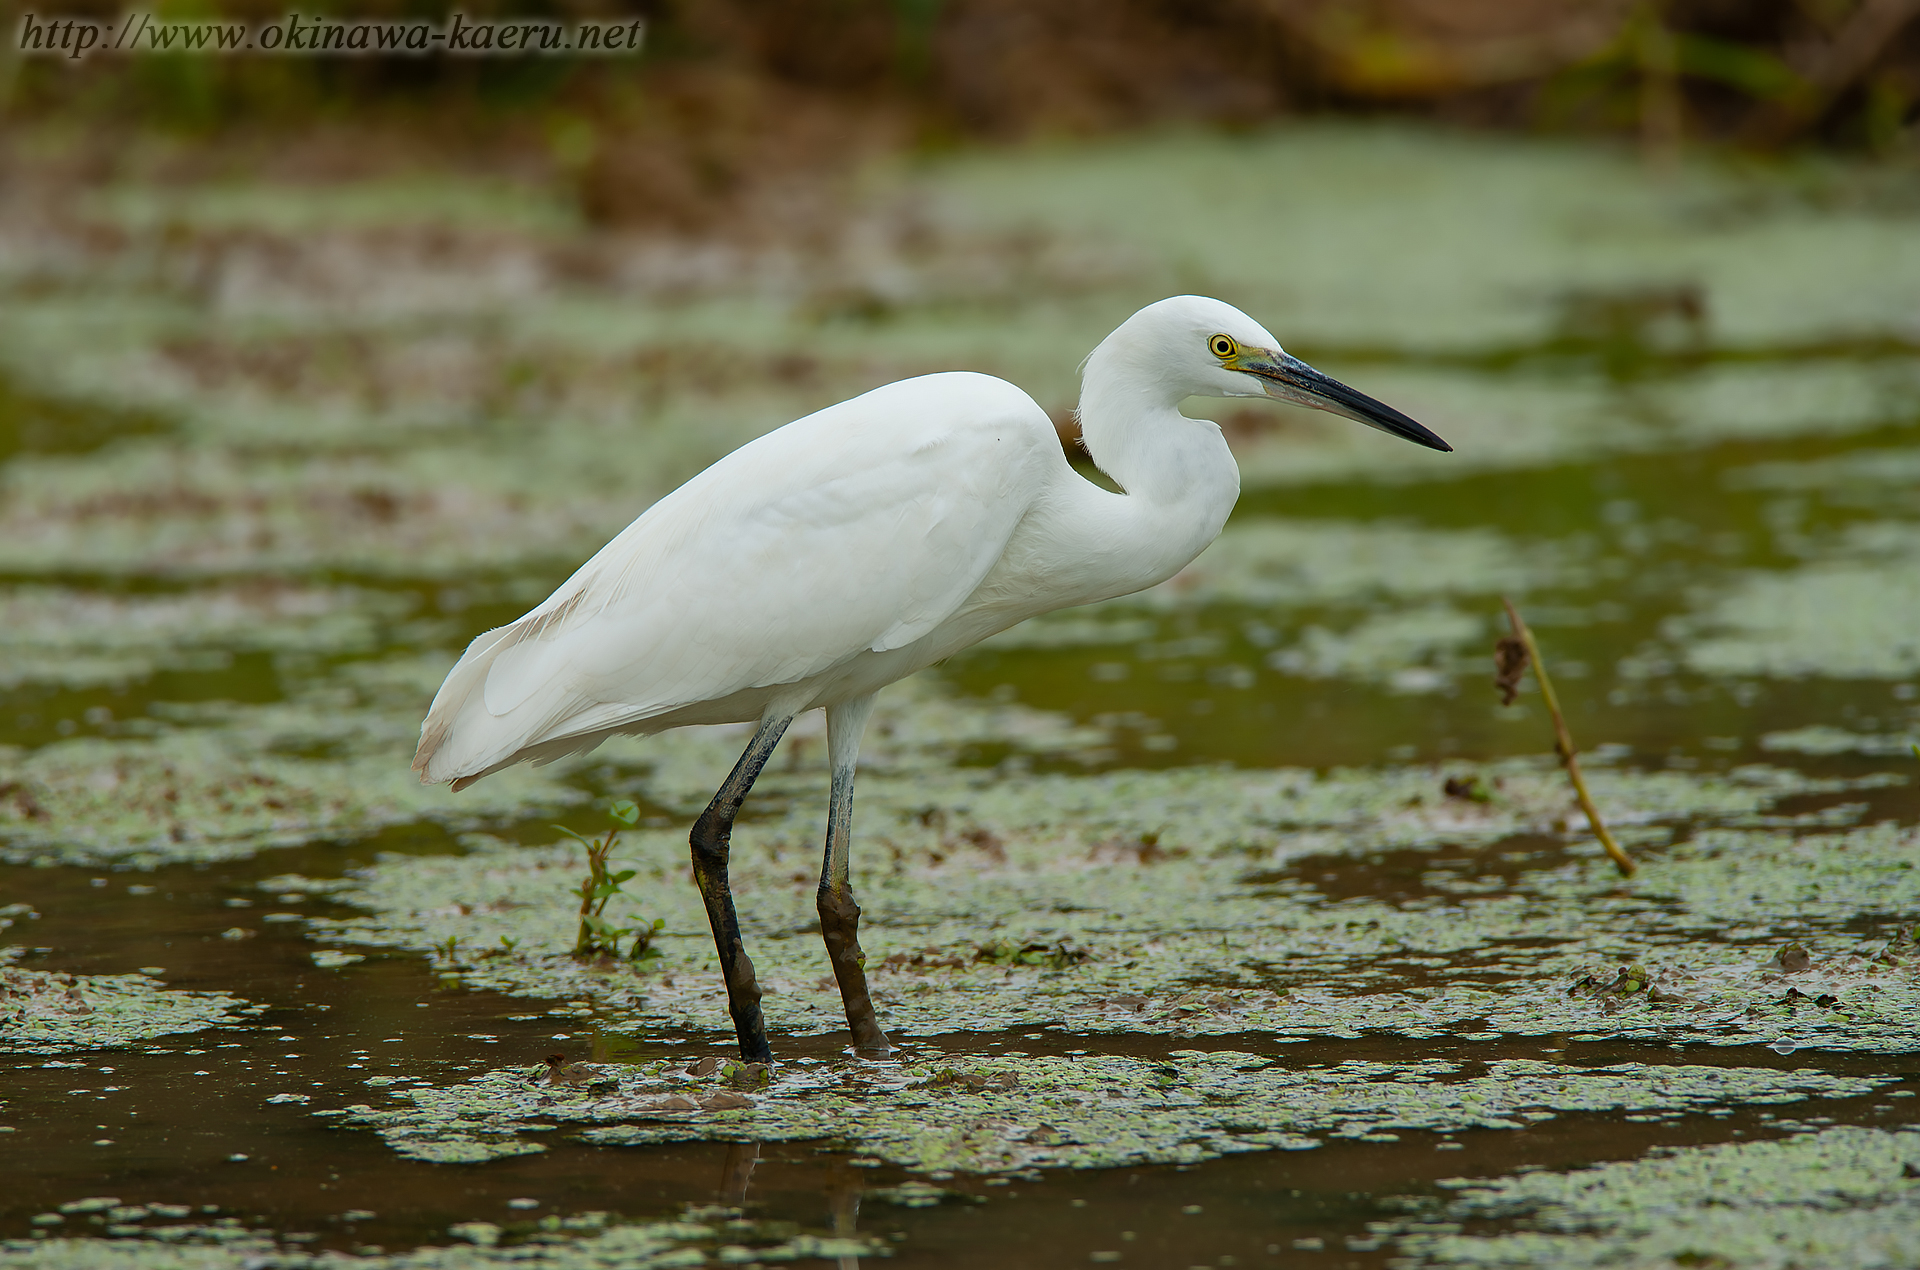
(712, 839)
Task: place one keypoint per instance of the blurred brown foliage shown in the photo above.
(732, 94)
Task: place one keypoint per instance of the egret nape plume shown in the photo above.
(814, 566)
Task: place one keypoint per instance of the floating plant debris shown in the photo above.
(1091, 1111)
(57, 1013)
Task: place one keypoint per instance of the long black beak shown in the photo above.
(1290, 379)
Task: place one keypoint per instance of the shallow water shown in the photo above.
(238, 549)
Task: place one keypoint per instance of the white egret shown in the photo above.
(848, 549)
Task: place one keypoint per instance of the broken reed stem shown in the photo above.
(1563, 742)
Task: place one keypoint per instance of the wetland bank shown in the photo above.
(1192, 956)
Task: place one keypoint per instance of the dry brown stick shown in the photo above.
(1563, 742)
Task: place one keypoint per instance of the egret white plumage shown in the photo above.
(846, 550)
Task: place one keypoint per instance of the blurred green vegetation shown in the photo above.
(1760, 72)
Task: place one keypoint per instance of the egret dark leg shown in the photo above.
(839, 914)
(712, 838)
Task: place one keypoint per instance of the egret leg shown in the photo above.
(839, 914)
(712, 838)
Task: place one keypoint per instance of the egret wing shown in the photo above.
(863, 527)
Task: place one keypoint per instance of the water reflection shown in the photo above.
(843, 1204)
(736, 1172)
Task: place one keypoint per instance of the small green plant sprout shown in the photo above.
(1511, 657)
(747, 1075)
(597, 936)
(642, 949)
(448, 949)
(1467, 788)
(1005, 952)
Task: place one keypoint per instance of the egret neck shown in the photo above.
(1179, 477)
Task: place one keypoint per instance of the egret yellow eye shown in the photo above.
(1223, 346)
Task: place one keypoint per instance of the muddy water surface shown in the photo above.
(1192, 957)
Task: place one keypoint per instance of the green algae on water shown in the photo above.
(1836, 619)
(586, 1241)
(1090, 1111)
(1823, 740)
(1477, 243)
(220, 780)
(76, 638)
(1411, 650)
(1264, 562)
(1164, 886)
(1840, 1196)
(57, 1013)
(213, 795)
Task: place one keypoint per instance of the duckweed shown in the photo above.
(1153, 880)
(1266, 562)
(1838, 1196)
(222, 793)
(1092, 1111)
(78, 638)
(1846, 620)
(57, 1013)
(584, 1242)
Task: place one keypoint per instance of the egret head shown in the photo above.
(1208, 348)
